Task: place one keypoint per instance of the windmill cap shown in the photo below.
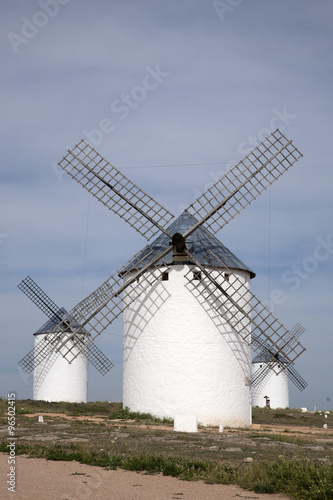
(198, 244)
(48, 326)
(266, 357)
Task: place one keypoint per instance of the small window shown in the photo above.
(165, 276)
(226, 276)
(197, 275)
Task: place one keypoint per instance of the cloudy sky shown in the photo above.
(171, 93)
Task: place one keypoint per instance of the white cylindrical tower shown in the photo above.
(275, 387)
(55, 379)
(180, 355)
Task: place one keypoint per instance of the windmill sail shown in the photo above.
(53, 340)
(39, 297)
(211, 211)
(244, 182)
(244, 311)
(104, 305)
(114, 190)
(267, 362)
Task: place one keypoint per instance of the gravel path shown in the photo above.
(39, 479)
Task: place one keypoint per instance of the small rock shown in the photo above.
(248, 460)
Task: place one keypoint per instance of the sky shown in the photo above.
(171, 93)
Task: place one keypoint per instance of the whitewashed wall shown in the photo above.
(274, 386)
(56, 380)
(183, 358)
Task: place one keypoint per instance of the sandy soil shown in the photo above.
(39, 479)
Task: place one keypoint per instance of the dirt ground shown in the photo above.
(39, 479)
(292, 429)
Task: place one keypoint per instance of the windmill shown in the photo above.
(187, 317)
(54, 378)
(264, 381)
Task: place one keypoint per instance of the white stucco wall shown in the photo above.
(183, 358)
(54, 379)
(274, 386)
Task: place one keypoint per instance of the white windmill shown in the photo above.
(270, 388)
(54, 379)
(188, 308)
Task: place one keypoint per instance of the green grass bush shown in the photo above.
(299, 479)
(127, 414)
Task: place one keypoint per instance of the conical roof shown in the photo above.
(54, 321)
(266, 357)
(198, 244)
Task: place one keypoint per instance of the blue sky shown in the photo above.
(186, 89)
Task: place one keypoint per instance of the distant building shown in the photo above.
(271, 386)
(55, 379)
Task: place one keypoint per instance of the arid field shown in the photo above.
(285, 452)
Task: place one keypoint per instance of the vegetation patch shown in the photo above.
(30, 406)
(295, 417)
(296, 478)
(126, 414)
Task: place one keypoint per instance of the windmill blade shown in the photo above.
(296, 332)
(39, 297)
(98, 359)
(257, 342)
(47, 345)
(43, 301)
(44, 348)
(104, 305)
(260, 374)
(292, 374)
(95, 356)
(50, 342)
(98, 311)
(38, 353)
(242, 309)
(292, 337)
(244, 183)
(115, 191)
(296, 378)
(34, 357)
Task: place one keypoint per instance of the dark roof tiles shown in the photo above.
(198, 244)
(54, 321)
